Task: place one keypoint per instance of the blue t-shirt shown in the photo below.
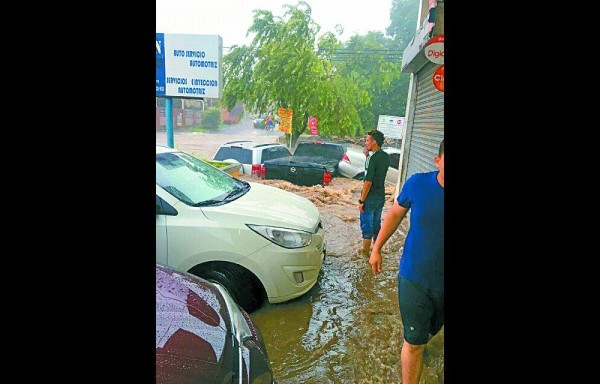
(422, 260)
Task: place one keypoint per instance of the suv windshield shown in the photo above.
(328, 151)
(195, 182)
(275, 153)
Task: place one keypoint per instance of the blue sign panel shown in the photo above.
(189, 66)
(160, 65)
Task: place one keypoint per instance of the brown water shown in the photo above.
(347, 328)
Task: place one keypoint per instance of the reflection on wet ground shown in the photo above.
(347, 328)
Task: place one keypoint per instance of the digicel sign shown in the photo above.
(434, 49)
(438, 78)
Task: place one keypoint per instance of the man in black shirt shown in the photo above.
(372, 197)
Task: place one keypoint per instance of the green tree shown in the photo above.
(374, 61)
(211, 118)
(285, 66)
(374, 64)
(403, 25)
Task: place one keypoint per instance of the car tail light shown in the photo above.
(326, 177)
(346, 158)
(263, 171)
(256, 170)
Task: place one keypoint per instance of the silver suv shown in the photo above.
(250, 153)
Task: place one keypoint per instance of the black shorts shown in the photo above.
(422, 312)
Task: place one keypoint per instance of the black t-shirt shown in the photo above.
(376, 169)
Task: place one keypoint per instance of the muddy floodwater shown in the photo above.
(347, 328)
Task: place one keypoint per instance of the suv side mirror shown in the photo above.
(164, 208)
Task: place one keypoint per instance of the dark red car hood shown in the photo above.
(192, 341)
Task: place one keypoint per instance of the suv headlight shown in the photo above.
(284, 237)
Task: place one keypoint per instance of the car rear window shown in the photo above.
(274, 153)
(240, 154)
(394, 160)
(329, 151)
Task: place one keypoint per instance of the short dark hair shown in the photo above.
(377, 136)
(441, 150)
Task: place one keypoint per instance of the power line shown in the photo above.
(346, 54)
(368, 50)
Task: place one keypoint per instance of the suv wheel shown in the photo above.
(237, 282)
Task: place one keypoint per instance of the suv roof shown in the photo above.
(248, 144)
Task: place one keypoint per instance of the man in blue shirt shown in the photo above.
(421, 272)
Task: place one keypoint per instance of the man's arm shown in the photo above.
(390, 224)
(365, 191)
(366, 184)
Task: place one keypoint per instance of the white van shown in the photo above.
(352, 164)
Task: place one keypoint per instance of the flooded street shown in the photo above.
(347, 328)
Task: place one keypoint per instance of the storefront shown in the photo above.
(424, 60)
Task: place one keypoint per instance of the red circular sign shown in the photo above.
(438, 78)
(312, 122)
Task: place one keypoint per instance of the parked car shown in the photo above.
(312, 163)
(256, 240)
(259, 122)
(250, 153)
(353, 164)
(202, 336)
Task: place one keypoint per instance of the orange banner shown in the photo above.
(286, 120)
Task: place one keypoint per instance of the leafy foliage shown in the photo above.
(287, 66)
(211, 118)
(403, 16)
(375, 68)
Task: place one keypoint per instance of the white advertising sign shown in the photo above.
(434, 49)
(189, 66)
(391, 126)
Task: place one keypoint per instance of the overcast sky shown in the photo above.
(231, 19)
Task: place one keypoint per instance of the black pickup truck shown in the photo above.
(312, 163)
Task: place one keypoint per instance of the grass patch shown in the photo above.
(198, 129)
(204, 130)
(217, 164)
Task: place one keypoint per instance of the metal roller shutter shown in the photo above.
(428, 124)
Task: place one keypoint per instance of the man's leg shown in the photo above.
(416, 312)
(367, 247)
(366, 228)
(411, 358)
(377, 219)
